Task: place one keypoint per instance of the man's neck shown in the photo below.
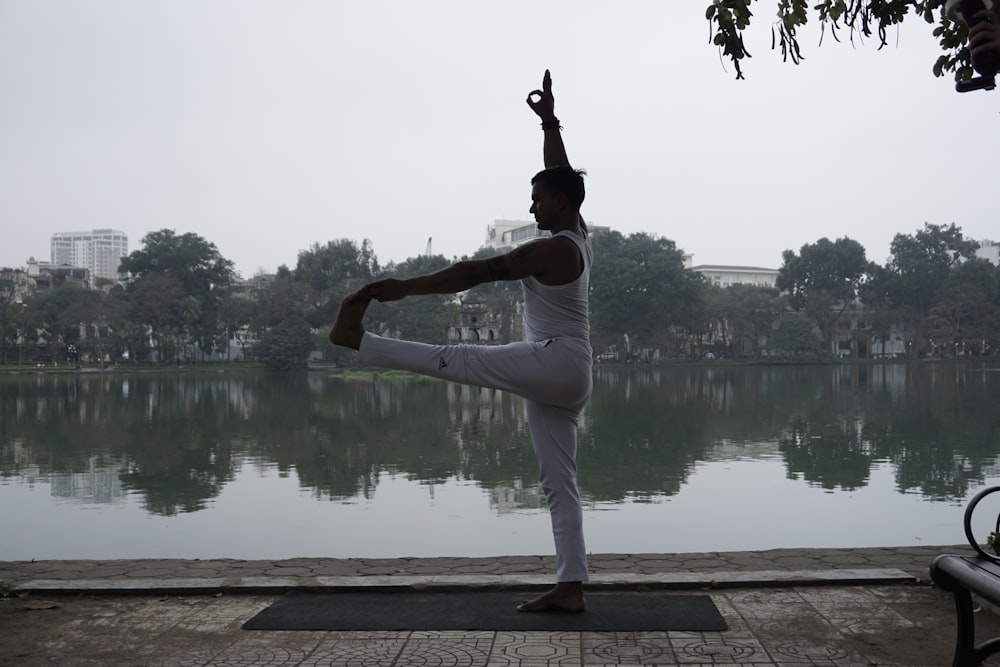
(570, 225)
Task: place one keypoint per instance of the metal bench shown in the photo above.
(964, 576)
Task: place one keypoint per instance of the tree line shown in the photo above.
(181, 302)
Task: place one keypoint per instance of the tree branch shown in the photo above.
(728, 19)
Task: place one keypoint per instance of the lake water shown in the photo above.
(205, 464)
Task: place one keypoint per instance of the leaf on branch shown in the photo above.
(862, 18)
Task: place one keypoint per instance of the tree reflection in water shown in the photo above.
(177, 439)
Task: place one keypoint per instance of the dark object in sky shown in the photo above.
(985, 63)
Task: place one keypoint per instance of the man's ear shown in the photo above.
(562, 200)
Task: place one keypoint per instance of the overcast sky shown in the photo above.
(266, 127)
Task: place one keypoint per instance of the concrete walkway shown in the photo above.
(832, 607)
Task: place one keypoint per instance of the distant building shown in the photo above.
(475, 325)
(990, 251)
(99, 251)
(47, 275)
(252, 288)
(725, 276)
(19, 283)
(512, 233)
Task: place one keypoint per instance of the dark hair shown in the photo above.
(563, 179)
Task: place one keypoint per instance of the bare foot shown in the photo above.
(566, 596)
(347, 330)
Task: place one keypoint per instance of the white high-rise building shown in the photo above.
(100, 251)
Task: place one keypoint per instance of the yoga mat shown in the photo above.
(469, 610)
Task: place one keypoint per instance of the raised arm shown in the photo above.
(553, 150)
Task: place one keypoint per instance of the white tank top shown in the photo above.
(559, 311)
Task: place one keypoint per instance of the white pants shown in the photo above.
(554, 378)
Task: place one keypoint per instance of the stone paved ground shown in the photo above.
(783, 607)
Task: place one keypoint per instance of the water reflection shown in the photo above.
(175, 441)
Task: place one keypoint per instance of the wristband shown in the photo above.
(551, 124)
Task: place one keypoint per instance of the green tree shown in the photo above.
(286, 346)
(426, 318)
(8, 315)
(283, 298)
(328, 273)
(326, 267)
(282, 307)
(54, 317)
(120, 327)
(88, 314)
(639, 289)
(795, 338)
(861, 18)
(964, 317)
(920, 264)
(876, 295)
(237, 315)
(823, 280)
(72, 315)
(195, 274)
(743, 315)
(156, 308)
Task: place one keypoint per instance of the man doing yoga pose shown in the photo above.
(550, 369)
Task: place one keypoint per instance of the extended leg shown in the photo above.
(542, 371)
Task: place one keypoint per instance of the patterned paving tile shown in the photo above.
(806, 653)
(535, 649)
(717, 649)
(370, 652)
(769, 604)
(181, 650)
(792, 628)
(264, 649)
(445, 651)
(451, 634)
(367, 634)
(627, 648)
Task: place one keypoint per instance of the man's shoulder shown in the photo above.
(564, 241)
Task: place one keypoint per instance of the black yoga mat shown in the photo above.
(407, 610)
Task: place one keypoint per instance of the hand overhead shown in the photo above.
(545, 105)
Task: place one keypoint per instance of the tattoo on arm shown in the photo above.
(520, 256)
(498, 269)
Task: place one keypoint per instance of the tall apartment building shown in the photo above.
(100, 251)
